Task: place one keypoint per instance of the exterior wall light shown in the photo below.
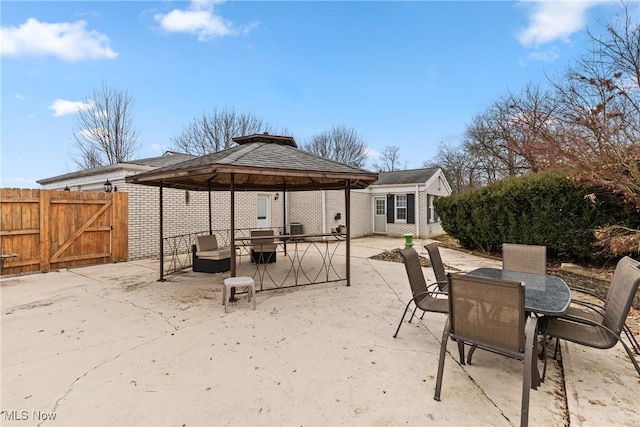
(107, 186)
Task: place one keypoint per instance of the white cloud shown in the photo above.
(548, 55)
(554, 20)
(62, 107)
(19, 97)
(156, 147)
(67, 41)
(372, 154)
(199, 19)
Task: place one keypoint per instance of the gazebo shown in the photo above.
(260, 162)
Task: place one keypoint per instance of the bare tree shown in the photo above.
(341, 144)
(462, 169)
(600, 118)
(215, 131)
(104, 134)
(485, 139)
(389, 159)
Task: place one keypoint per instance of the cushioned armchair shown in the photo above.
(207, 257)
(263, 246)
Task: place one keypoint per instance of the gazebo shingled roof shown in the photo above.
(259, 163)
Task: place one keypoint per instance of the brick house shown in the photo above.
(317, 211)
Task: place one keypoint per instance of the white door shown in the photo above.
(379, 214)
(264, 211)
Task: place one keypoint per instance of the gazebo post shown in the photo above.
(347, 202)
(161, 239)
(210, 226)
(233, 234)
(233, 227)
(284, 218)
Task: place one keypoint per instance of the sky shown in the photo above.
(410, 74)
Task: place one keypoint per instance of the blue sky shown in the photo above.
(408, 74)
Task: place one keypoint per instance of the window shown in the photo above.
(432, 215)
(401, 207)
(380, 208)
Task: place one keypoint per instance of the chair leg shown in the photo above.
(527, 372)
(544, 357)
(443, 353)
(630, 354)
(461, 351)
(470, 355)
(632, 339)
(402, 319)
(413, 314)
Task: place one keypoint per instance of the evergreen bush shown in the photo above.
(539, 209)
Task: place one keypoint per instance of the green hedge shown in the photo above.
(540, 209)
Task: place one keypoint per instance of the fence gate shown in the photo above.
(44, 230)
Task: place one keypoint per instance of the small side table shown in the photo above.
(238, 282)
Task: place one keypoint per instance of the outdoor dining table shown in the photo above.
(543, 294)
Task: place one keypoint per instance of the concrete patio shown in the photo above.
(109, 345)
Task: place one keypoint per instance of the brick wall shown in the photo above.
(305, 207)
(184, 214)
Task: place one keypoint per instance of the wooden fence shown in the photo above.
(42, 230)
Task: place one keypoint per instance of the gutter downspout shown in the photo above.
(324, 212)
(416, 206)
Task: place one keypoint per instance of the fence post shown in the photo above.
(45, 235)
(119, 226)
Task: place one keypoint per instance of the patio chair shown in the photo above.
(437, 265)
(601, 332)
(595, 311)
(207, 257)
(263, 246)
(524, 258)
(505, 331)
(424, 297)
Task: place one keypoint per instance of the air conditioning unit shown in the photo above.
(295, 228)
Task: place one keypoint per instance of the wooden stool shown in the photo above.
(238, 282)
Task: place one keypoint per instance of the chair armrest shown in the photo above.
(590, 305)
(427, 292)
(589, 322)
(587, 291)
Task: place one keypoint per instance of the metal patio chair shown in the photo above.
(524, 258)
(595, 311)
(437, 265)
(603, 332)
(424, 297)
(507, 330)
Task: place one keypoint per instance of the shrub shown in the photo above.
(539, 209)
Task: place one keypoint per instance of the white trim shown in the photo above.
(443, 181)
(324, 211)
(416, 208)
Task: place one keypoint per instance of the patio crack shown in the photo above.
(73, 384)
(148, 310)
(479, 388)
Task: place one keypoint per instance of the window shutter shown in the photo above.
(411, 208)
(436, 218)
(390, 208)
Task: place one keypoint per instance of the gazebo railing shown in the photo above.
(309, 260)
(177, 249)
